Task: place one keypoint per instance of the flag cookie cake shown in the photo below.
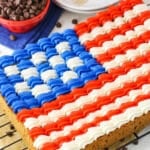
(85, 88)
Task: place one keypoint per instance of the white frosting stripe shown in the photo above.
(40, 89)
(129, 56)
(103, 111)
(102, 128)
(119, 39)
(29, 72)
(56, 60)
(106, 89)
(21, 87)
(11, 70)
(68, 75)
(62, 47)
(48, 74)
(119, 21)
(38, 58)
(74, 62)
(107, 126)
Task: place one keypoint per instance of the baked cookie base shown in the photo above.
(101, 143)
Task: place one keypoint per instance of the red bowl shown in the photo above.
(25, 25)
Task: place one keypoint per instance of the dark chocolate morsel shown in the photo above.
(12, 127)
(12, 37)
(10, 133)
(13, 9)
(74, 21)
(135, 142)
(58, 25)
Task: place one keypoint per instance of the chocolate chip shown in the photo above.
(17, 2)
(18, 11)
(37, 12)
(135, 142)
(13, 9)
(3, 14)
(32, 15)
(31, 11)
(43, 2)
(74, 21)
(5, 9)
(27, 6)
(58, 25)
(3, 4)
(12, 37)
(121, 140)
(21, 18)
(8, 11)
(9, 4)
(12, 127)
(123, 148)
(33, 7)
(10, 133)
(21, 6)
(29, 2)
(26, 14)
(14, 17)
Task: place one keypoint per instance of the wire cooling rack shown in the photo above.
(10, 139)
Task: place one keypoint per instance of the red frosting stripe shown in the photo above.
(108, 57)
(101, 101)
(57, 143)
(76, 93)
(100, 39)
(106, 15)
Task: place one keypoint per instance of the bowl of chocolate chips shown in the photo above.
(20, 16)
